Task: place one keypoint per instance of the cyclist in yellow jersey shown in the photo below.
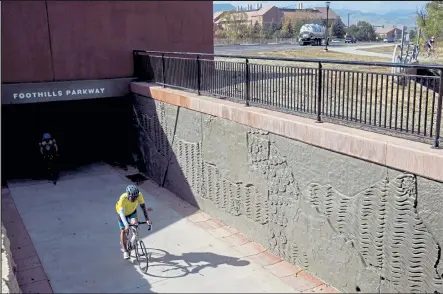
(126, 208)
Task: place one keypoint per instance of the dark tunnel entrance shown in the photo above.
(86, 131)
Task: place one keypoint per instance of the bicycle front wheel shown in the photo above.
(142, 257)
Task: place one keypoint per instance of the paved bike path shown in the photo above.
(73, 226)
(360, 50)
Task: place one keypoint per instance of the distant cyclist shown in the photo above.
(48, 146)
(49, 151)
(430, 45)
(126, 208)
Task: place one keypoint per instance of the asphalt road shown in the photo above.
(254, 48)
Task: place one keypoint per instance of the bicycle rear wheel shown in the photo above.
(142, 257)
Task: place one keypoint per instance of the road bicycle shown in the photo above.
(51, 168)
(433, 54)
(134, 243)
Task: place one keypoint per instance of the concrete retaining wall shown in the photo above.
(359, 226)
(9, 279)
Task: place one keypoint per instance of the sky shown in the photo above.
(364, 6)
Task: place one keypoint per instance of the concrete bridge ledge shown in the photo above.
(397, 153)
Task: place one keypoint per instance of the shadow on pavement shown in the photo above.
(190, 263)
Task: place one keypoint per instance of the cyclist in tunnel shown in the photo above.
(49, 151)
(48, 145)
(126, 208)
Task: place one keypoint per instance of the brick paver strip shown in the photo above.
(27, 263)
(302, 281)
(322, 289)
(236, 240)
(210, 224)
(265, 258)
(184, 210)
(250, 248)
(17, 233)
(41, 287)
(283, 269)
(24, 252)
(199, 217)
(9, 213)
(222, 232)
(30, 273)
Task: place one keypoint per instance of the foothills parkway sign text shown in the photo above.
(64, 90)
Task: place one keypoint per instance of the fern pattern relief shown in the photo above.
(384, 226)
(234, 198)
(379, 229)
(266, 160)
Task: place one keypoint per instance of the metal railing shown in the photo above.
(405, 102)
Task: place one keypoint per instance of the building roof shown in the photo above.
(217, 15)
(331, 13)
(251, 15)
(301, 14)
(263, 10)
(385, 30)
(293, 14)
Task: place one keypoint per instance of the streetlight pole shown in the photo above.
(349, 13)
(327, 25)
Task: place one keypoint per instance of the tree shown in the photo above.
(338, 29)
(430, 19)
(352, 30)
(235, 24)
(287, 30)
(274, 26)
(256, 30)
(296, 26)
(221, 34)
(412, 35)
(365, 31)
(266, 32)
(269, 29)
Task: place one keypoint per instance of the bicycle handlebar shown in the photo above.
(141, 223)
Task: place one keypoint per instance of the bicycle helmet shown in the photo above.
(47, 136)
(132, 192)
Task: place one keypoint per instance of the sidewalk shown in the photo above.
(359, 50)
(74, 230)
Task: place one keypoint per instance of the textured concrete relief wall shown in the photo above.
(357, 225)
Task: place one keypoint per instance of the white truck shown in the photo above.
(311, 34)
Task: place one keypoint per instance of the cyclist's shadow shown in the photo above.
(162, 264)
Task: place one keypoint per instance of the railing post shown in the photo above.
(439, 109)
(319, 92)
(247, 83)
(163, 70)
(198, 74)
